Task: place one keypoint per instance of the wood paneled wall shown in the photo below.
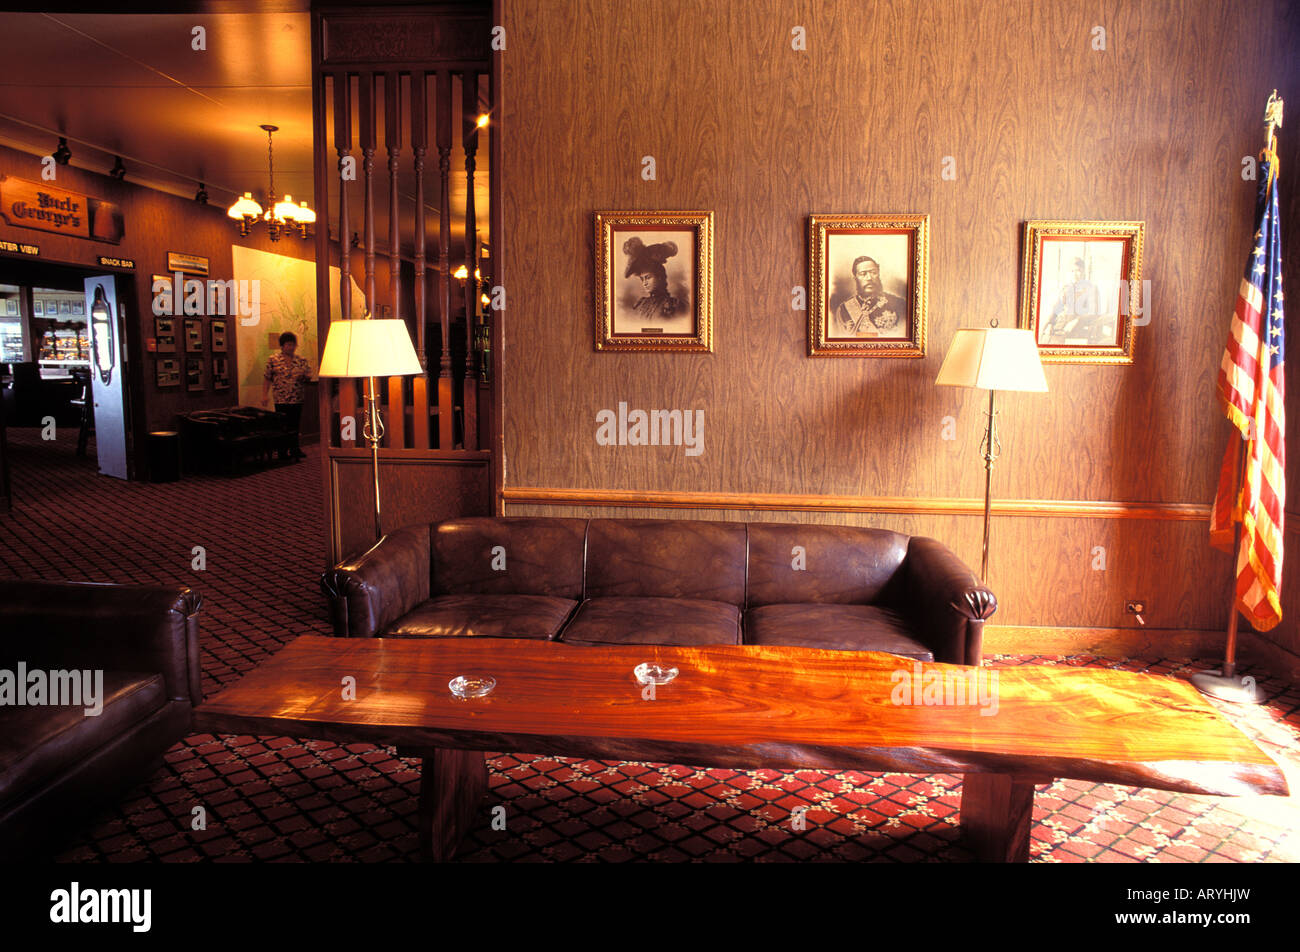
(1039, 125)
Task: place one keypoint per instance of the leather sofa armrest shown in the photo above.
(370, 592)
(147, 628)
(945, 602)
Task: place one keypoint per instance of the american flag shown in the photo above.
(1253, 390)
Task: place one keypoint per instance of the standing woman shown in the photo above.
(286, 376)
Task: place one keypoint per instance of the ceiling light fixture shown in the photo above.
(63, 155)
(283, 215)
(118, 171)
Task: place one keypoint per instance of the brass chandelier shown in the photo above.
(283, 216)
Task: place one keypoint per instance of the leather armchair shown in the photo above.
(57, 761)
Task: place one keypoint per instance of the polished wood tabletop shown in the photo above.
(749, 706)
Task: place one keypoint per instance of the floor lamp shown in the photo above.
(370, 348)
(992, 359)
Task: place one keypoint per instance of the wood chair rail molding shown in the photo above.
(912, 505)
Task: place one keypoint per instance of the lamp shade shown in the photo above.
(286, 210)
(993, 358)
(245, 207)
(369, 348)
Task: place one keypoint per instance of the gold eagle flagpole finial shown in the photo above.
(1273, 112)
(1272, 122)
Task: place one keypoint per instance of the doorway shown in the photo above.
(65, 372)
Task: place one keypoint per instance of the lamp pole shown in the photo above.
(991, 448)
(373, 431)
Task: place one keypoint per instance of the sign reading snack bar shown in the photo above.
(37, 205)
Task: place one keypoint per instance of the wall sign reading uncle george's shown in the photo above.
(57, 210)
(654, 281)
(867, 276)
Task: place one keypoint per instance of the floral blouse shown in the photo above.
(287, 376)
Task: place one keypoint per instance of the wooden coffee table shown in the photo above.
(745, 708)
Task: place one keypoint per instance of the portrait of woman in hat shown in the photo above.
(654, 281)
(647, 300)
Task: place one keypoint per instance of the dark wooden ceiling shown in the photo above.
(131, 85)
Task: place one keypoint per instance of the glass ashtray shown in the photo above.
(472, 685)
(647, 673)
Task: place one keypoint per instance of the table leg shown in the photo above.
(452, 785)
(996, 812)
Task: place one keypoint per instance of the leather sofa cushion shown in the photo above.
(537, 617)
(835, 627)
(653, 621)
(666, 559)
(848, 565)
(38, 744)
(540, 557)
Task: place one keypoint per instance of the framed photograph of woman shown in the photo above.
(867, 280)
(1081, 289)
(654, 281)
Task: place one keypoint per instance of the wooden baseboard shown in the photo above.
(1175, 643)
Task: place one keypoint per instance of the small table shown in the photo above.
(748, 707)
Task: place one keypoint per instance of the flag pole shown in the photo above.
(1225, 685)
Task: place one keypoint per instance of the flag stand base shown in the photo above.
(1235, 689)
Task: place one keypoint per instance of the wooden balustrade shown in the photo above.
(412, 98)
(389, 87)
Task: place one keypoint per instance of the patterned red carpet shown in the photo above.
(275, 798)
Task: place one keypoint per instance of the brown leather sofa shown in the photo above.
(675, 582)
(57, 762)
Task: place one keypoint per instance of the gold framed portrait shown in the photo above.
(654, 281)
(1081, 289)
(867, 280)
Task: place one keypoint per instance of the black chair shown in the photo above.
(225, 441)
(28, 395)
(86, 402)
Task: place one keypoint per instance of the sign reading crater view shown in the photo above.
(37, 205)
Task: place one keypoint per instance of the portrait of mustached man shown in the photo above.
(655, 305)
(870, 311)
